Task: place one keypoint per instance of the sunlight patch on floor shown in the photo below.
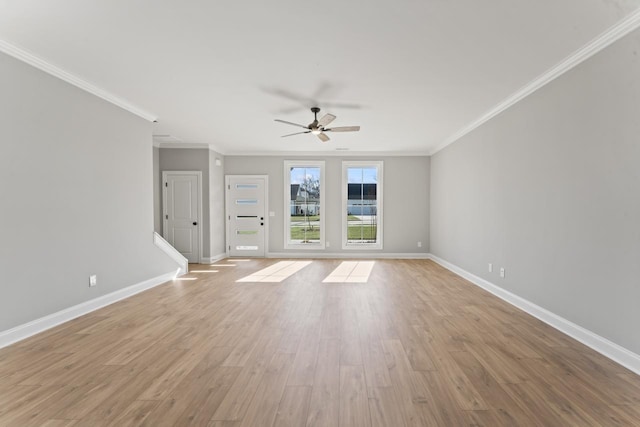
(203, 271)
(276, 272)
(351, 272)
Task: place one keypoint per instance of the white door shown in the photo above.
(246, 219)
(181, 208)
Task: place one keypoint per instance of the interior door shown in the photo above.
(246, 220)
(182, 213)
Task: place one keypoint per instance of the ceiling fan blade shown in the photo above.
(297, 133)
(291, 123)
(323, 137)
(326, 119)
(344, 129)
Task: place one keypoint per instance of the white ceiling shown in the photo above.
(412, 73)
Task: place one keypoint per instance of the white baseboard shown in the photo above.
(613, 351)
(215, 258)
(26, 330)
(348, 255)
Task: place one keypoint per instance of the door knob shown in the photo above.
(195, 223)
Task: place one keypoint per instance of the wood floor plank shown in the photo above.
(264, 406)
(59, 423)
(385, 408)
(440, 404)
(293, 407)
(33, 410)
(354, 402)
(324, 406)
(375, 366)
(414, 346)
(23, 372)
(237, 400)
(304, 365)
(135, 414)
(407, 386)
(494, 396)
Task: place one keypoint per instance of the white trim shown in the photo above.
(26, 330)
(348, 255)
(172, 252)
(227, 215)
(165, 221)
(212, 259)
(187, 145)
(613, 34)
(288, 164)
(334, 153)
(600, 344)
(72, 79)
(379, 164)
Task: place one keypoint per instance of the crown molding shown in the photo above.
(613, 34)
(76, 81)
(187, 145)
(328, 153)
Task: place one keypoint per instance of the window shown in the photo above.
(361, 205)
(304, 204)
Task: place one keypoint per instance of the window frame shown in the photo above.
(288, 164)
(379, 165)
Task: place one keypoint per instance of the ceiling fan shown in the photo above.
(318, 127)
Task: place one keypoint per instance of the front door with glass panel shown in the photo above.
(246, 219)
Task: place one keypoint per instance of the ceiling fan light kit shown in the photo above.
(318, 127)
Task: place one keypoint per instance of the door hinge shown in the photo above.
(166, 184)
(229, 247)
(229, 217)
(228, 187)
(166, 216)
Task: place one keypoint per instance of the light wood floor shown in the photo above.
(416, 346)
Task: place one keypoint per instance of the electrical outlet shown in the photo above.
(93, 280)
(490, 268)
(419, 244)
(327, 244)
(502, 272)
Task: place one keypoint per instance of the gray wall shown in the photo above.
(157, 192)
(549, 189)
(188, 159)
(406, 199)
(75, 194)
(216, 205)
(201, 159)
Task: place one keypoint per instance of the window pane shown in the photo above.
(304, 205)
(246, 202)
(362, 204)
